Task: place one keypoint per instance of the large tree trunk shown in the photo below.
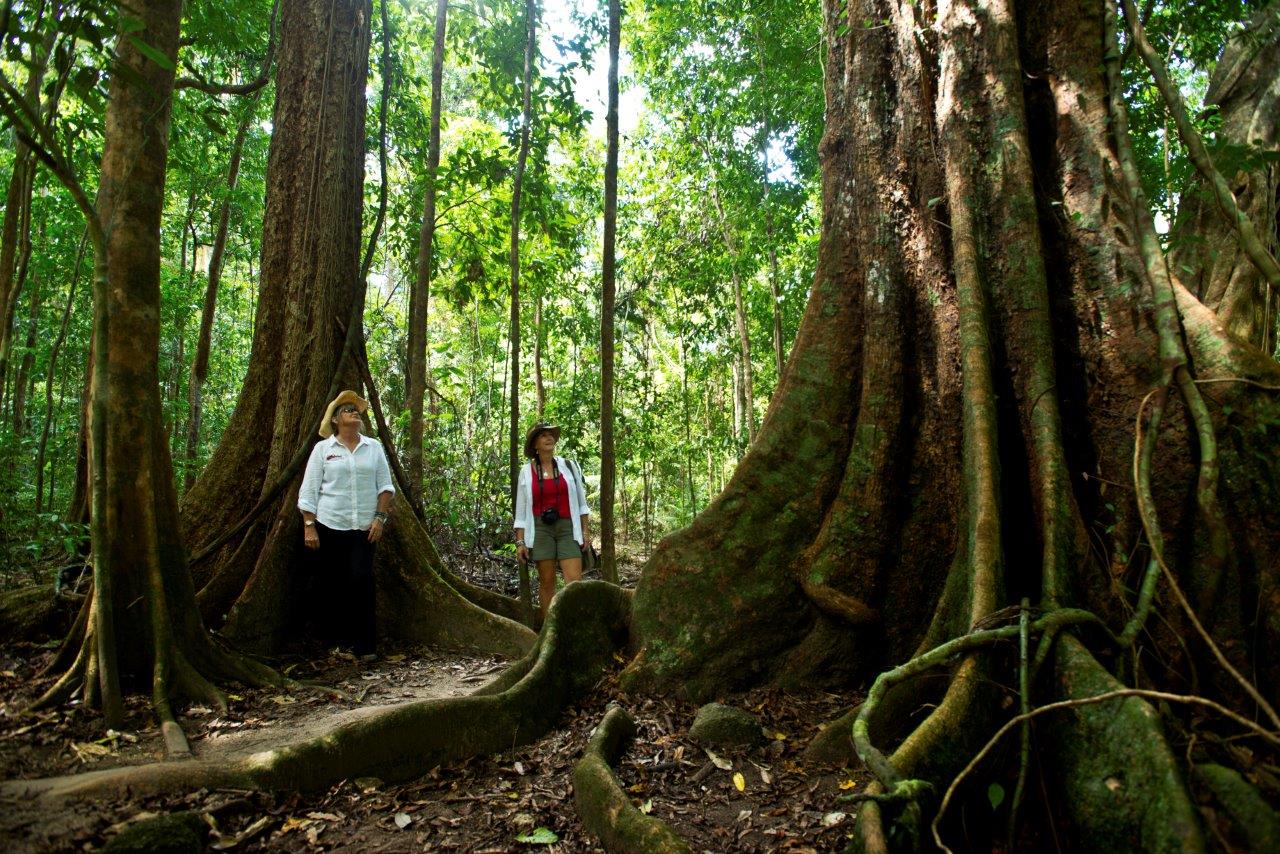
(420, 294)
(1243, 88)
(517, 190)
(310, 294)
(143, 632)
(608, 293)
(962, 391)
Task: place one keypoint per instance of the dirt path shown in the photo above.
(68, 741)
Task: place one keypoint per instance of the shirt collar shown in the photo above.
(364, 440)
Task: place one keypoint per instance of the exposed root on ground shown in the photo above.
(605, 807)
(588, 624)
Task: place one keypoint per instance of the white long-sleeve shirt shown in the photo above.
(524, 501)
(341, 487)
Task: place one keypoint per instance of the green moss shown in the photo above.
(1257, 825)
(1123, 788)
(179, 833)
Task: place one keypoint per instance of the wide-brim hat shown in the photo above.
(534, 432)
(348, 396)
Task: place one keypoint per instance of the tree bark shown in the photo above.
(517, 189)
(984, 283)
(144, 632)
(204, 339)
(1208, 257)
(420, 295)
(249, 570)
(608, 293)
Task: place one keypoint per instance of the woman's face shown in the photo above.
(546, 442)
(347, 416)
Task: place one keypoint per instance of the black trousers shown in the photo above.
(344, 589)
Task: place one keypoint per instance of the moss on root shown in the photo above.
(1255, 823)
(587, 624)
(603, 804)
(1122, 787)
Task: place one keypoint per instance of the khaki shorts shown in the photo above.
(554, 542)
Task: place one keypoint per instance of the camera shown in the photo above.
(550, 516)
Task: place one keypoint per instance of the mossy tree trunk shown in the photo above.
(310, 293)
(142, 632)
(955, 427)
(1243, 89)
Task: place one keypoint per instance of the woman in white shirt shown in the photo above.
(552, 516)
(344, 499)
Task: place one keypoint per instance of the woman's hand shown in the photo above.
(375, 530)
(310, 537)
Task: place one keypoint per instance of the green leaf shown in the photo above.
(995, 794)
(131, 25)
(152, 54)
(541, 836)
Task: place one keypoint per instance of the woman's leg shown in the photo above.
(546, 584)
(361, 614)
(328, 586)
(571, 567)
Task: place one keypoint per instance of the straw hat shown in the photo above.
(534, 432)
(348, 396)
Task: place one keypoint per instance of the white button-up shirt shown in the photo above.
(341, 487)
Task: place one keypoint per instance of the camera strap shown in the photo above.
(537, 472)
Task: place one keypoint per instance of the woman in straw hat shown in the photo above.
(552, 517)
(344, 500)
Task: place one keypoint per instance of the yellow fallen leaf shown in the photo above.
(848, 784)
(780, 736)
(739, 782)
(293, 823)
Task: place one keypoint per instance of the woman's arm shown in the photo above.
(313, 476)
(584, 509)
(386, 492)
(521, 513)
(309, 497)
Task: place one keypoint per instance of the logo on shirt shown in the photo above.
(333, 457)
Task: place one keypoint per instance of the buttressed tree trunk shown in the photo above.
(310, 292)
(1245, 90)
(956, 431)
(141, 630)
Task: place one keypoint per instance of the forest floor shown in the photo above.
(518, 800)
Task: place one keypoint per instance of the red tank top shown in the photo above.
(550, 492)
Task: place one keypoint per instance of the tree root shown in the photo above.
(604, 806)
(1257, 824)
(1229, 778)
(588, 623)
(1121, 786)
